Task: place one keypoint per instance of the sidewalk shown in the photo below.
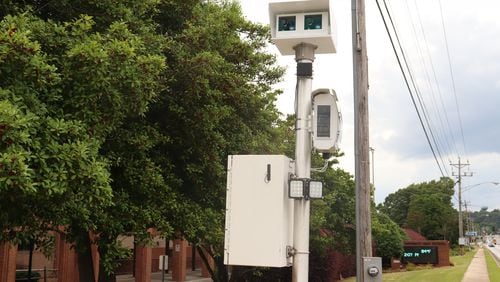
(192, 276)
(477, 270)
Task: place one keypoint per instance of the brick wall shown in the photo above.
(7, 262)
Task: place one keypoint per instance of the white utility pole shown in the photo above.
(304, 56)
(459, 166)
(361, 133)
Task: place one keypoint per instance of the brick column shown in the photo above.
(143, 256)
(395, 264)
(67, 261)
(8, 254)
(179, 257)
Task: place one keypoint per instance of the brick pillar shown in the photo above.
(67, 261)
(8, 254)
(204, 269)
(143, 257)
(179, 257)
(395, 264)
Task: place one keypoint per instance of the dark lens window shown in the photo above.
(286, 23)
(313, 22)
(323, 128)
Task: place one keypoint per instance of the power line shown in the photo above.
(409, 88)
(437, 84)
(452, 76)
(420, 99)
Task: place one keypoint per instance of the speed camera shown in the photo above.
(302, 21)
(327, 120)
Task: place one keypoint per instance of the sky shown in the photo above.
(458, 82)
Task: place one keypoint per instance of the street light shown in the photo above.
(467, 188)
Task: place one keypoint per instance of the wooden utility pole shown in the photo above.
(361, 134)
(459, 166)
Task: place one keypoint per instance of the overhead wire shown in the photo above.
(452, 77)
(442, 136)
(409, 88)
(418, 93)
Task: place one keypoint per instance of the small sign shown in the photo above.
(462, 241)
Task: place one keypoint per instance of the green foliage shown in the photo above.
(66, 90)
(218, 102)
(124, 112)
(387, 236)
(492, 265)
(333, 219)
(334, 215)
(44, 158)
(486, 220)
(425, 207)
(397, 204)
(430, 216)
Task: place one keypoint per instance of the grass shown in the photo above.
(493, 268)
(442, 274)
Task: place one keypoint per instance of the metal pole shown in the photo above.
(361, 134)
(304, 53)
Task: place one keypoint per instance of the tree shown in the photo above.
(387, 236)
(489, 221)
(72, 89)
(426, 207)
(430, 216)
(333, 223)
(218, 102)
(336, 211)
(165, 91)
(46, 157)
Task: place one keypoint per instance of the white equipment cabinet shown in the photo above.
(259, 213)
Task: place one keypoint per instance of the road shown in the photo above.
(496, 249)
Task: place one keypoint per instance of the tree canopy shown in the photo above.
(425, 207)
(484, 220)
(123, 113)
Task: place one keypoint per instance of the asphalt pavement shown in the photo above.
(495, 250)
